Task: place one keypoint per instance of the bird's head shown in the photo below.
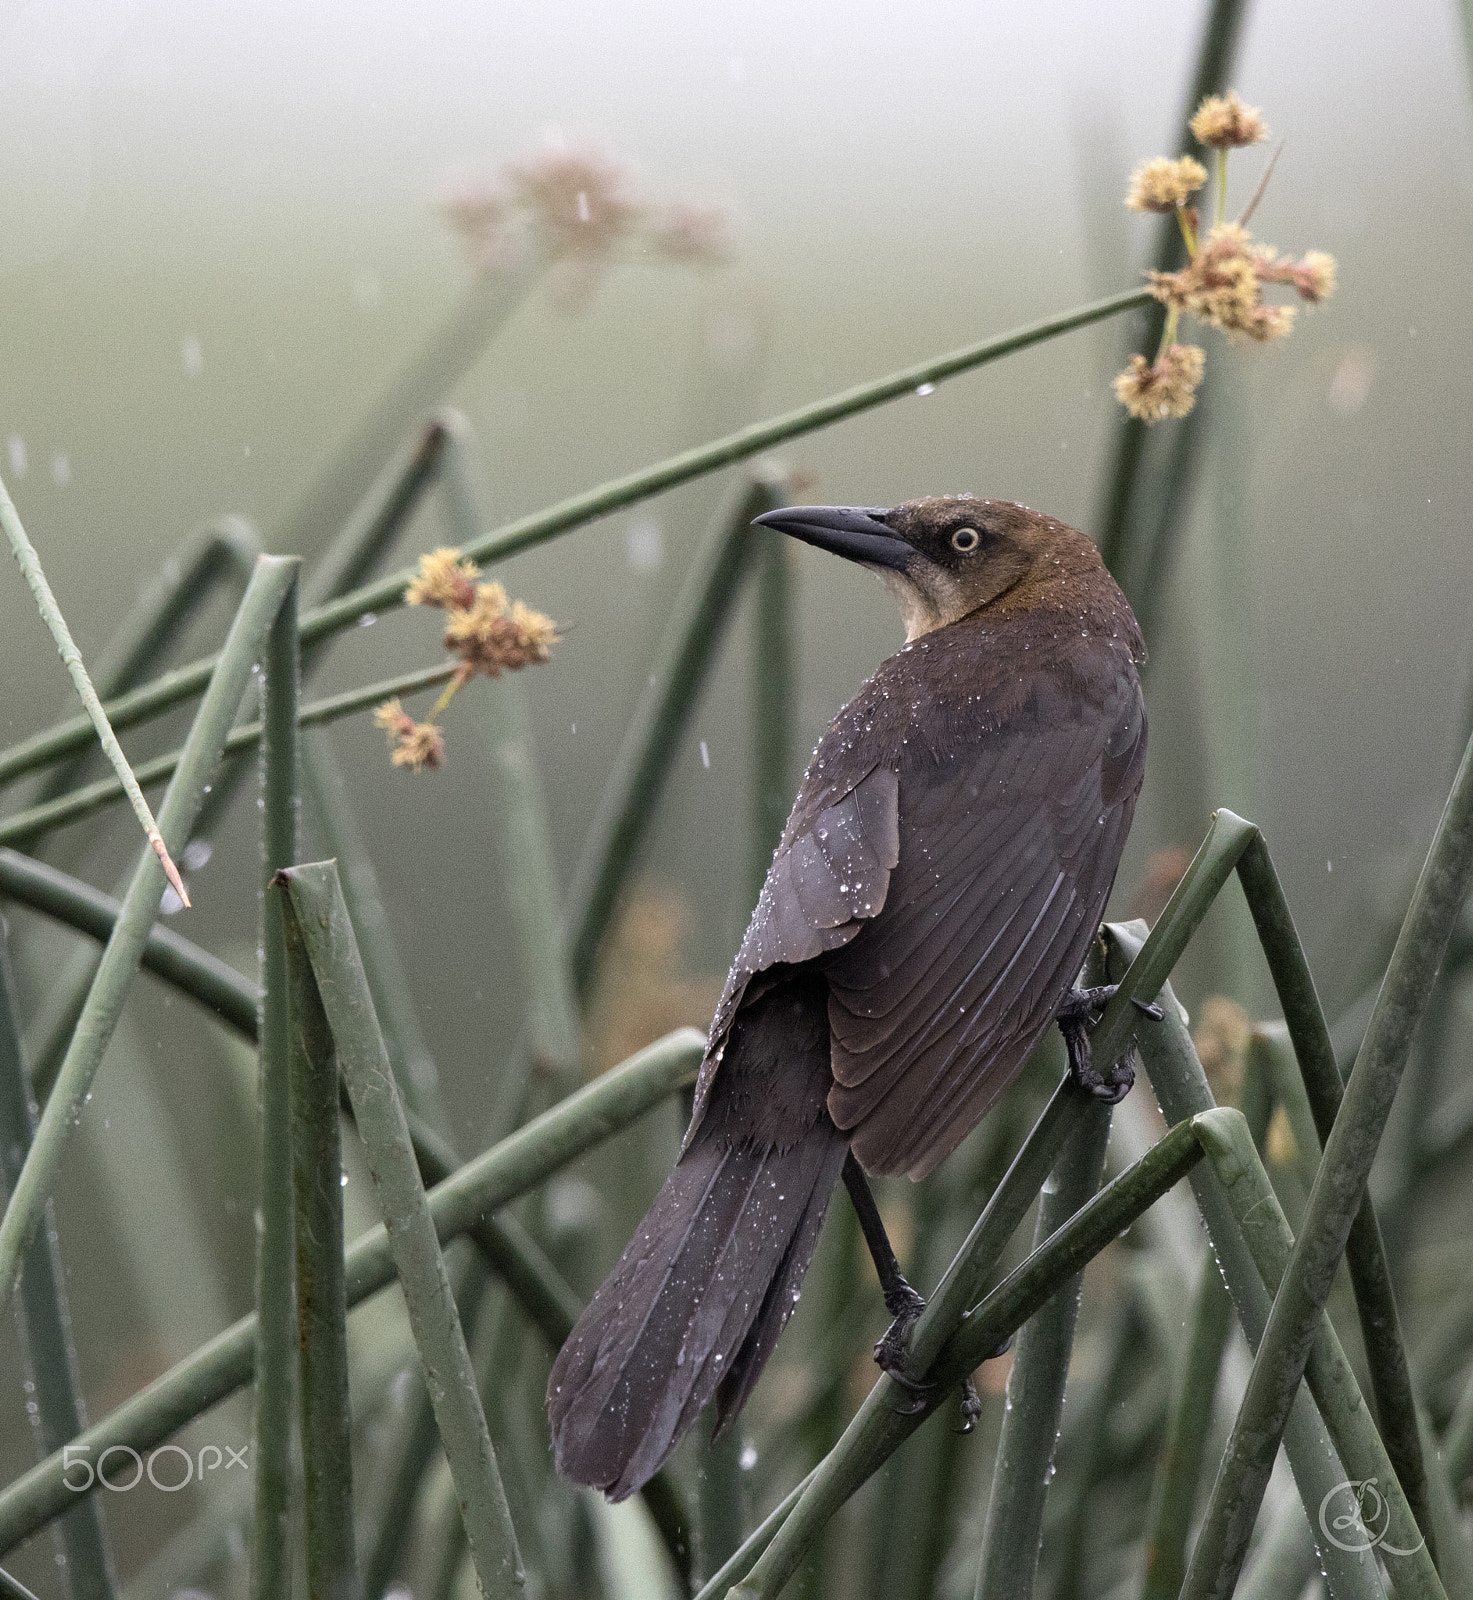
(945, 556)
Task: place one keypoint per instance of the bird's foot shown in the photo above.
(1077, 1017)
(905, 1305)
(971, 1406)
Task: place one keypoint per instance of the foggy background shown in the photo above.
(219, 240)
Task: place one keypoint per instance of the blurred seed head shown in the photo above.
(488, 632)
(576, 206)
(414, 744)
(1223, 280)
(1164, 183)
(1163, 871)
(443, 580)
(1279, 1144)
(1166, 387)
(1223, 1030)
(1224, 122)
(643, 988)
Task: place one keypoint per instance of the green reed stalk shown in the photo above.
(741, 1562)
(331, 618)
(20, 827)
(368, 527)
(413, 1449)
(687, 649)
(221, 557)
(327, 934)
(1233, 844)
(225, 553)
(1336, 1197)
(432, 371)
(1237, 1166)
(181, 963)
(512, 1254)
(1118, 521)
(1181, 1088)
(276, 1306)
(48, 1352)
(1024, 1464)
(1179, 1470)
(517, 807)
(322, 1308)
(1365, 1253)
(274, 576)
(13, 1588)
(330, 807)
(879, 1428)
(485, 1183)
(1086, 1463)
(30, 565)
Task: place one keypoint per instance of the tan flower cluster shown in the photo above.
(489, 633)
(443, 580)
(492, 636)
(1166, 387)
(1226, 272)
(1222, 285)
(1163, 184)
(1225, 123)
(415, 744)
(577, 206)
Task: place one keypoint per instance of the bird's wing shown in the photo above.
(1008, 848)
(830, 873)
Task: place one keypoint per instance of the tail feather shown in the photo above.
(697, 1301)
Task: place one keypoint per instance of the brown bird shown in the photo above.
(926, 914)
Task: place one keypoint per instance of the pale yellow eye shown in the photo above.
(964, 540)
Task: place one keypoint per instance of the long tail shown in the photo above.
(697, 1301)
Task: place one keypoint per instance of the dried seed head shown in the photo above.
(1279, 1143)
(577, 200)
(493, 637)
(1221, 1040)
(444, 580)
(393, 718)
(423, 745)
(1269, 323)
(414, 744)
(1223, 121)
(1164, 184)
(1314, 276)
(1165, 388)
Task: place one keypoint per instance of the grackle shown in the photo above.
(926, 914)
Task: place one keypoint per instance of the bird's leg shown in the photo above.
(901, 1301)
(1077, 1017)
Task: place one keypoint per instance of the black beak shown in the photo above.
(855, 532)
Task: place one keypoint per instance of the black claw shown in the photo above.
(1077, 1015)
(971, 1405)
(1149, 1007)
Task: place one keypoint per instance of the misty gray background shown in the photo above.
(219, 239)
